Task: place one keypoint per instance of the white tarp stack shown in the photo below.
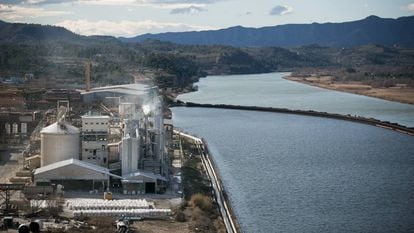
(98, 204)
(124, 213)
(125, 207)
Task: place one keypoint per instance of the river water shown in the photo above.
(271, 90)
(291, 173)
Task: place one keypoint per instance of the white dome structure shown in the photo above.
(59, 141)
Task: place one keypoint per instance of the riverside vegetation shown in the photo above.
(198, 211)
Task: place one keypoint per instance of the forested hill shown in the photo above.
(35, 33)
(56, 56)
(373, 29)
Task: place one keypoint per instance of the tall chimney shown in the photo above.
(88, 66)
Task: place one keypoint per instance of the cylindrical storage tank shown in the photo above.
(8, 128)
(59, 141)
(15, 128)
(23, 128)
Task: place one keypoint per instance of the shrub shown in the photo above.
(180, 216)
(202, 202)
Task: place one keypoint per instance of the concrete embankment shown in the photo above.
(358, 119)
(226, 211)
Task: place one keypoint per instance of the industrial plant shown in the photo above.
(118, 147)
(88, 152)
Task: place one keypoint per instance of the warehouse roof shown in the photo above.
(95, 117)
(75, 162)
(150, 175)
(131, 89)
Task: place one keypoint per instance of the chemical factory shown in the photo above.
(119, 147)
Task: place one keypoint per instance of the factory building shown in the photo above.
(60, 164)
(143, 148)
(95, 131)
(141, 182)
(75, 175)
(55, 95)
(144, 142)
(128, 147)
(16, 125)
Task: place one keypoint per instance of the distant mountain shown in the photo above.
(371, 30)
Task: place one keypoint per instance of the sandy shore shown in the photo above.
(396, 94)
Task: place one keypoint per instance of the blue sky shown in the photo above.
(134, 17)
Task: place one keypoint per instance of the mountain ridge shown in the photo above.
(372, 29)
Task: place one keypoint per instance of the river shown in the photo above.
(290, 173)
(271, 90)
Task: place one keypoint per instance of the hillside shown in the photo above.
(37, 33)
(56, 57)
(375, 30)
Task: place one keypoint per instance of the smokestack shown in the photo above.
(88, 66)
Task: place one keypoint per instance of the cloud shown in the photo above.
(188, 10)
(25, 9)
(244, 14)
(16, 12)
(35, 2)
(164, 4)
(47, 2)
(182, 1)
(410, 7)
(11, 2)
(281, 10)
(176, 6)
(125, 27)
(112, 2)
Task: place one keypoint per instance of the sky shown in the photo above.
(129, 18)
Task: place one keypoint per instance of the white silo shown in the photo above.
(59, 141)
(130, 147)
(129, 155)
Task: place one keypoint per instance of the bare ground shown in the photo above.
(397, 94)
(161, 226)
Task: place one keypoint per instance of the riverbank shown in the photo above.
(401, 94)
(220, 196)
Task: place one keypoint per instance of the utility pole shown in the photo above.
(88, 67)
